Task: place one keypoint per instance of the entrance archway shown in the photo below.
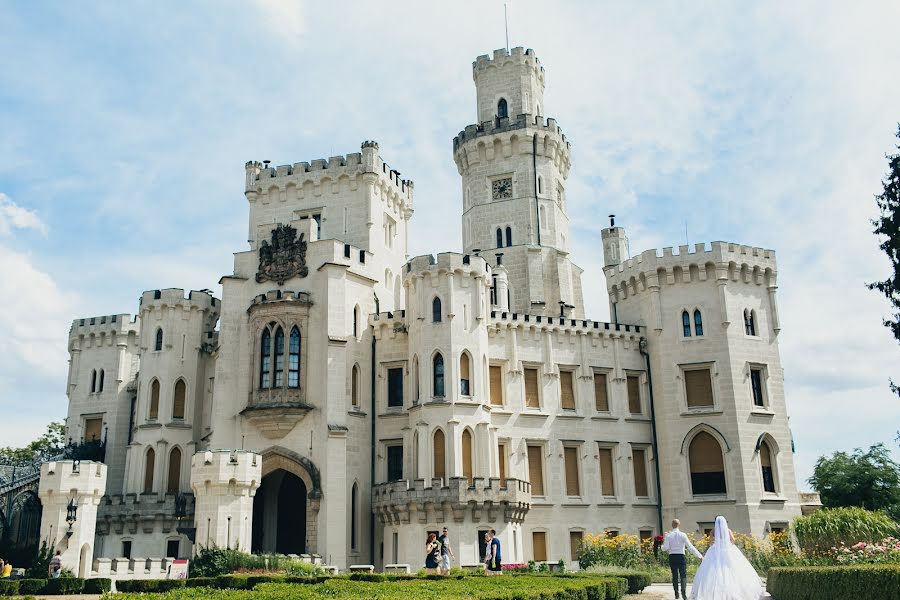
(279, 514)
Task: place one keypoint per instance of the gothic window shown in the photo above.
(750, 322)
(149, 464)
(509, 236)
(93, 381)
(354, 517)
(265, 360)
(707, 465)
(436, 310)
(499, 238)
(159, 340)
(294, 358)
(698, 323)
(154, 400)
(279, 358)
(502, 110)
(173, 484)
(395, 387)
(416, 380)
(686, 323)
(440, 454)
(465, 374)
(100, 382)
(178, 404)
(395, 462)
(438, 373)
(768, 474)
(354, 387)
(467, 453)
(756, 387)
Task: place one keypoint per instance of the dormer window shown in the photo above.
(502, 111)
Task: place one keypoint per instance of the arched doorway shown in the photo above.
(279, 514)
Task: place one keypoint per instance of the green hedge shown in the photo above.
(31, 586)
(63, 586)
(98, 585)
(222, 582)
(872, 582)
(9, 588)
(150, 585)
(637, 580)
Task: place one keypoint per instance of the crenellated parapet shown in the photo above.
(106, 328)
(518, 56)
(724, 261)
(321, 177)
(447, 262)
(563, 325)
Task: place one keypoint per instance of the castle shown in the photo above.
(343, 399)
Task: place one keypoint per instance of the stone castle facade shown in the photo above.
(343, 399)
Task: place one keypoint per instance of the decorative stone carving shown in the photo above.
(284, 258)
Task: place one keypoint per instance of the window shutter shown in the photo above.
(706, 455)
(501, 451)
(640, 472)
(440, 469)
(93, 430)
(566, 390)
(607, 482)
(536, 470)
(539, 543)
(531, 389)
(178, 405)
(634, 394)
(575, 538)
(573, 485)
(698, 387)
(496, 385)
(601, 399)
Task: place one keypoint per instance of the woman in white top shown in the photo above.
(725, 573)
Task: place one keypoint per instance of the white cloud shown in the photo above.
(13, 216)
(285, 17)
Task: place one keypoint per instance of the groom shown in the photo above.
(675, 543)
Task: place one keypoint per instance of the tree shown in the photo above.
(888, 225)
(868, 479)
(50, 444)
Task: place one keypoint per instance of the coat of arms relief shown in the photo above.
(284, 258)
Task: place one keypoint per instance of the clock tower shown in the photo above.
(514, 163)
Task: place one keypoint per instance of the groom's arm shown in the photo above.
(694, 551)
(665, 544)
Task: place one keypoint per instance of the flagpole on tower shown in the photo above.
(506, 26)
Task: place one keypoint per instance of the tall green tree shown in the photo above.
(51, 443)
(887, 225)
(869, 479)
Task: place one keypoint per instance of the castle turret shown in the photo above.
(224, 483)
(515, 77)
(615, 244)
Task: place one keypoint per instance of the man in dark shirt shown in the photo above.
(446, 552)
(494, 565)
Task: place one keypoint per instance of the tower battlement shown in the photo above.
(170, 297)
(121, 324)
(501, 58)
(261, 176)
(448, 262)
(502, 124)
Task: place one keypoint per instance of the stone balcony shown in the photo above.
(275, 411)
(130, 513)
(454, 499)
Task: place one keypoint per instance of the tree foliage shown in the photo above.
(51, 443)
(887, 225)
(869, 479)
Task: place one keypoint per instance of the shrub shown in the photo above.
(31, 586)
(872, 582)
(824, 529)
(198, 582)
(637, 580)
(41, 564)
(150, 585)
(64, 586)
(9, 588)
(98, 585)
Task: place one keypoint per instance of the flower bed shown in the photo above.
(872, 582)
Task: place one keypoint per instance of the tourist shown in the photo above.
(494, 565)
(55, 568)
(432, 555)
(446, 552)
(4, 572)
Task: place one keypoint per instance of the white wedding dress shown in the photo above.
(725, 573)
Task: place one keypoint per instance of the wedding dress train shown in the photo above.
(725, 573)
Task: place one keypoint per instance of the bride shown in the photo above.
(725, 574)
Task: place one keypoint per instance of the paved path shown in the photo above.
(664, 591)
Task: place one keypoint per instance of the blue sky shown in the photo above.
(125, 127)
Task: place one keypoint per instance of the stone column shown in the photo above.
(62, 481)
(224, 483)
(332, 540)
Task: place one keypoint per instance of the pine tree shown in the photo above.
(888, 225)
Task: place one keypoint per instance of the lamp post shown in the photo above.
(71, 515)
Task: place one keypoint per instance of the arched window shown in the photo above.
(415, 455)
(768, 471)
(100, 383)
(440, 455)
(356, 321)
(159, 336)
(178, 404)
(93, 381)
(502, 110)
(154, 400)
(354, 387)
(279, 358)
(467, 455)
(509, 236)
(415, 379)
(540, 185)
(149, 464)
(464, 374)
(698, 322)
(438, 375)
(499, 238)
(265, 360)
(749, 322)
(436, 310)
(354, 517)
(707, 465)
(686, 323)
(173, 485)
(294, 358)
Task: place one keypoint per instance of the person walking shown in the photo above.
(432, 554)
(446, 552)
(55, 568)
(675, 543)
(494, 559)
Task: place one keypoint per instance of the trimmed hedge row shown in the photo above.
(61, 586)
(222, 582)
(637, 580)
(872, 582)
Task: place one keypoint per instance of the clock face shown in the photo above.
(502, 188)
